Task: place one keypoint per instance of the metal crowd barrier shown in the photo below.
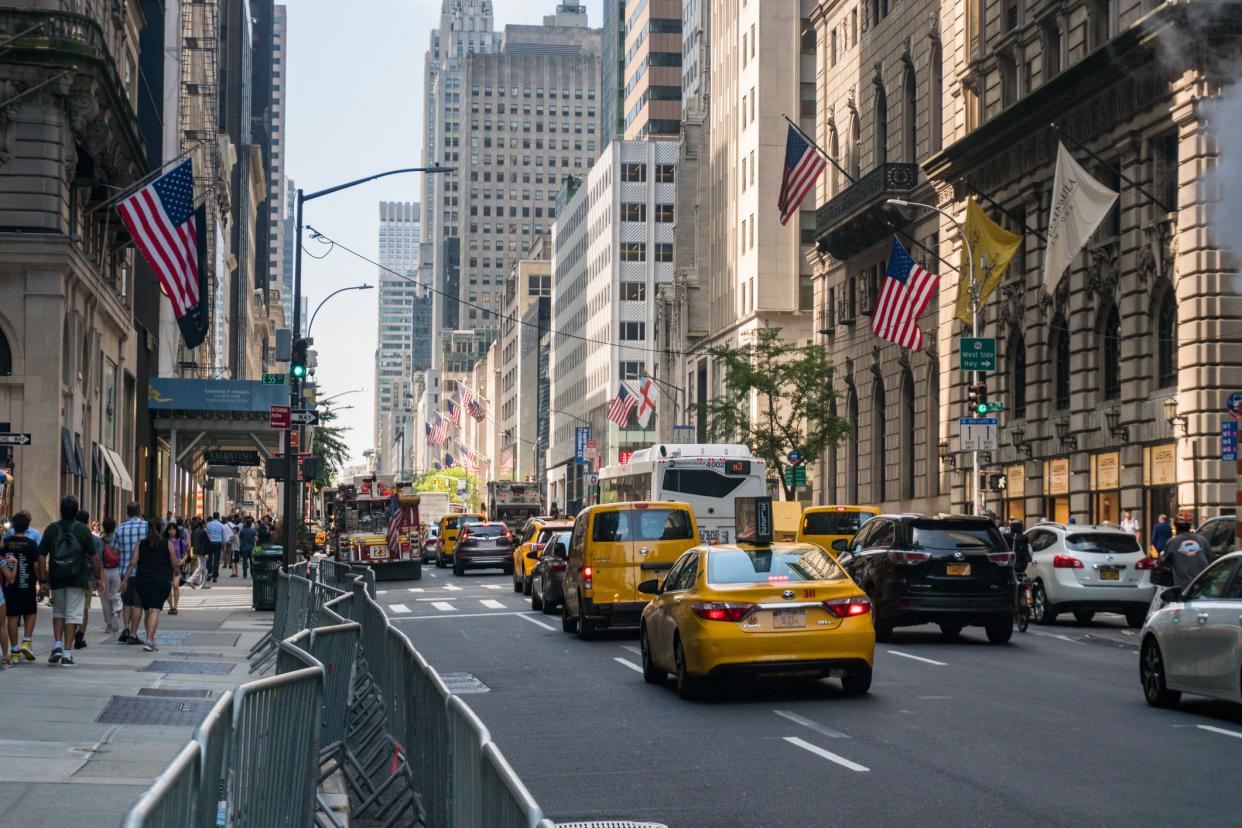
(350, 696)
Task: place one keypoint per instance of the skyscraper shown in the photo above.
(612, 79)
(652, 56)
(276, 180)
(397, 296)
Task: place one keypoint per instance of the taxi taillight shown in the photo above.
(586, 577)
(848, 607)
(722, 610)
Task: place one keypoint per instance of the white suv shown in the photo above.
(1087, 569)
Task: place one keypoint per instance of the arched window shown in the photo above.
(851, 472)
(1017, 373)
(907, 435)
(1110, 353)
(830, 470)
(834, 149)
(6, 356)
(1061, 361)
(879, 420)
(855, 147)
(935, 105)
(881, 126)
(1166, 338)
(909, 112)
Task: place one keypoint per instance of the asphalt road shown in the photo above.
(1048, 730)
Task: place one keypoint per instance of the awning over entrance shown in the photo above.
(120, 474)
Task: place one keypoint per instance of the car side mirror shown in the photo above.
(1171, 595)
(651, 586)
(533, 555)
(840, 545)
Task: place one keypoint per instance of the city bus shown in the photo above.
(707, 476)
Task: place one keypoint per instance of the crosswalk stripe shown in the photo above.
(452, 588)
(491, 604)
(417, 589)
(444, 606)
(491, 586)
(401, 608)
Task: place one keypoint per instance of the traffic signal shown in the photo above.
(298, 362)
(976, 395)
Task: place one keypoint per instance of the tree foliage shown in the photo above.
(328, 444)
(449, 480)
(777, 398)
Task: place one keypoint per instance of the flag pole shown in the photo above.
(818, 148)
(1119, 173)
(142, 182)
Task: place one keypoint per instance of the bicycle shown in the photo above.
(1022, 607)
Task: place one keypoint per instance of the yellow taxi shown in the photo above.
(756, 607)
(613, 547)
(832, 527)
(534, 535)
(450, 528)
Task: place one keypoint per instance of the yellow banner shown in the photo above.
(993, 246)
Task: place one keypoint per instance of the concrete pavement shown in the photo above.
(78, 745)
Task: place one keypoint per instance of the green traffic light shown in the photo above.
(299, 371)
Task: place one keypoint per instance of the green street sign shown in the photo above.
(273, 379)
(977, 354)
(795, 476)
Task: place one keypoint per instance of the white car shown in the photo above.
(1086, 569)
(1193, 644)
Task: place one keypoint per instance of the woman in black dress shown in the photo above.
(156, 562)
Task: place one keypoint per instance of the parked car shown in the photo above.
(547, 575)
(427, 545)
(1191, 644)
(484, 544)
(953, 570)
(1086, 569)
(1221, 534)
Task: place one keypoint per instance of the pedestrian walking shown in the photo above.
(72, 565)
(1161, 533)
(79, 642)
(180, 548)
(110, 598)
(1186, 553)
(234, 525)
(156, 564)
(21, 596)
(126, 539)
(199, 548)
(265, 530)
(8, 573)
(1130, 524)
(217, 536)
(248, 536)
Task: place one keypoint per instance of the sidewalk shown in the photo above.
(78, 745)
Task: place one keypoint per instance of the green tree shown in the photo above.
(776, 399)
(328, 444)
(448, 480)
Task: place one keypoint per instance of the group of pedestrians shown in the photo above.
(136, 568)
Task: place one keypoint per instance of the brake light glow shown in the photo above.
(1066, 562)
(900, 557)
(1145, 562)
(848, 607)
(722, 610)
(586, 577)
(1003, 558)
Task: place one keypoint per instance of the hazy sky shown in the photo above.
(355, 101)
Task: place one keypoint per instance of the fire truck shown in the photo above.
(358, 518)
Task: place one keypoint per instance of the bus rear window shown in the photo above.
(834, 523)
(701, 482)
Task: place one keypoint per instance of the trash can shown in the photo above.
(263, 566)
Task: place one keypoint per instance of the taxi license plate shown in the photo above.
(957, 569)
(783, 619)
(1109, 574)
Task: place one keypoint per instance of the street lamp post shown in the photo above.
(311, 326)
(292, 487)
(976, 494)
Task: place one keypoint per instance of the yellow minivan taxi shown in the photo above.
(613, 548)
(832, 527)
(450, 528)
(534, 535)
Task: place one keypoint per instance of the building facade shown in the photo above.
(401, 347)
(652, 90)
(276, 179)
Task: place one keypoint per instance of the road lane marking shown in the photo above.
(1061, 637)
(455, 616)
(491, 586)
(636, 668)
(827, 754)
(400, 609)
(918, 658)
(452, 588)
(435, 599)
(432, 574)
(1220, 730)
(811, 724)
(381, 592)
(535, 621)
(417, 589)
(491, 603)
(633, 650)
(444, 606)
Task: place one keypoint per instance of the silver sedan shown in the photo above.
(1193, 644)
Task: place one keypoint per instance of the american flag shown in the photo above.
(160, 217)
(476, 409)
(396, 522)
(625, 402)
(803, 164)
(905, 293)
(464, 393)
(454, 413)
(439, 432)
(468, 459)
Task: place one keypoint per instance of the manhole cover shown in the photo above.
(174, 693)
(463, 683)
(148, 711)
(201, 668)
(171, 639)
(611, 823)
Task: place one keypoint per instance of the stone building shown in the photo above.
(1113, 384)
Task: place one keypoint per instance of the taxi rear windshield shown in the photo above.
(1102, 542)
(458, 520)
(748, 566)
(642, 525)
(834, 523)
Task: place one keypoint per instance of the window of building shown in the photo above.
(879, 424)
(1061, 361)
(633, 291)
(664, 213)
(1017, 373)
(665, 173)
(909, 114)
(1167, 169)
(855, 148)
(1110, 352)
(1051, 48)
(807, 39)
(633, 331)
(1166, 337)
(806, 292)
(832, 47)
(851, 471)
(808, 101)
(631, 370)
(663, 252)
(632, 211)
(633, 172)
(907, 434)
(633, 252)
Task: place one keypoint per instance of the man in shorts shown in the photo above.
(73, 568)
(21, 597)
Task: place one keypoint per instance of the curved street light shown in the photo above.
(342, 394)
(311, 325)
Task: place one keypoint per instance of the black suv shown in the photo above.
(951, 570)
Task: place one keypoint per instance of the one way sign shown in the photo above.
(304, 416)
(14, 439)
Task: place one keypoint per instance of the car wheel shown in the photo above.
(586, 627)
(568, 622)
(517, 582)
(418, 571)
(857, 682)
(688, 687)
(1136, 618)
(439, 561)
(651, 673)
(1042, 612)
(458, 569)
(950, 631)
(1084, 617)
(999, 632)
(526, 585)
(536, 600)
(1151, 674)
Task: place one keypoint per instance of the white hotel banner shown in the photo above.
(1079, 204)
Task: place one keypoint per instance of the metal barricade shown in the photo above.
(467, 736)
(173, 798)
(213, 736)
(267, 643)
(505, 800)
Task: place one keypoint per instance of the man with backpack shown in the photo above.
(72, 566)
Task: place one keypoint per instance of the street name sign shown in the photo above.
(795, 476)
(278, 416)
(978, 433)
(1229, 440)
(14, 439)
(304, 416)
(977, 353)
(273, 379)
